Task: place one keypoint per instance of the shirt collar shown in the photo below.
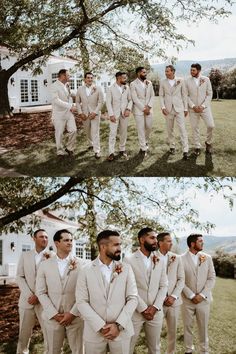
(64, 259)
(101, 264)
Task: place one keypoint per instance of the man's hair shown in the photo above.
(87, 73)
(37, 231)
(120, 73)
(192, 238)
(172, 68)
(144, 232)
(162, 235)
(196, 66)
(105, 234)
(139, 69)
(62, 72)
(58, 234)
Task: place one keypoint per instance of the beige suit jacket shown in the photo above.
(199, 95)
(151, 291)
(118, 102)
(56, 294)
(97, 306)
(26, 277)
(141, 96)
(175, 274)
(89, 104)
(61, 100)
(200, 279)
(173, 96)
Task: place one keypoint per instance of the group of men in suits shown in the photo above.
(178, 98)
(102, 306)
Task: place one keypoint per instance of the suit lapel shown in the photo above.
(56, 274)
(141, 267)
(99, 276)
(32, 263)
(190, 262)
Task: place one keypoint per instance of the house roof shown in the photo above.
(49, 216)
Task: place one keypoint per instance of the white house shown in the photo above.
(12, 244)
(26, 90)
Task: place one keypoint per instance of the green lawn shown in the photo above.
(221, 328)
(40, 159)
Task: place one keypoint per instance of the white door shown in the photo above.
(29, 92)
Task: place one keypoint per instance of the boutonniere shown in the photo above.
(155, 259)
(124, 88)
(117, 270)
(202, 259)
(202, 81)
(177, 82)
(171, 260)
(147, 82)
(94, 88)
(72, 264)
(47, 255)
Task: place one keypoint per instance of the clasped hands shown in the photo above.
(147, 110)
(64, 319)
(198, 109)
(125, 115)
(197, 299)
(90, 116)
(110, 331)
(149, 313)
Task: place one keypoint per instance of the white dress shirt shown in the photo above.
(165, 258)
(146, 260)
(106, 270)
(171, 82)
(195, 259)
(142, 83)
(119, 88)
(62, 264)
(197, 80)
(38, 257)
(88, 90)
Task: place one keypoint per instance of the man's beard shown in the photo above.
(149, 247)
(143, 78)
(113, 256)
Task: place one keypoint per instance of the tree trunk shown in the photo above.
(84, 53)
(217, 94)
(91, 217)
(5, 109)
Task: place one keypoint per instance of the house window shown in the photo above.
(105, 86)
(88, 254)
(34, 91)
(72, 84)
(24, 91)
(79, 250)
(26, 248)
(79, 82)
(54, 77)
(0, 252)
(109, 84)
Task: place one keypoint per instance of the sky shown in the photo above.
(215, 210)
(212, 41)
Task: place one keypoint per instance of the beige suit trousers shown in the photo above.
(180, 120)
(207, 117)
(92, 131)
(114, 347)
(152, 331)
(171, 315)
(56, 334)
(201, 311)
(27, 323)
(121, 124)
(144, 127)
(61, 124)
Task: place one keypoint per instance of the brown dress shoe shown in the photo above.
(111, 157)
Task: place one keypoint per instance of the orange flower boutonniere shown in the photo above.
(177, 83)
(118, 269)
(202, 81)
(171, 260)
(147, 82)
(93, 90)
(47, 255)
(202, 259)
(72, 264)
(155, 259)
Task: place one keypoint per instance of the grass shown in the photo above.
(221, 327)
(40, 159)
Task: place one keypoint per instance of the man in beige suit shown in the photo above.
(89, 100)
(107, 296)
(142, 94)
(199, 281)
(119, 105)
(174, 106)
(55, 288)
(151, 279)
(199, 92)
(62, 114)
(29, 306)
(173, 300)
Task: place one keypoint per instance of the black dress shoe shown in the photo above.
(111, 157)
(69, 152)
(143, 153)
(172, 151)
(197, 152)
(185, 156)
(208, 148)
(123, 154)
(97, 156)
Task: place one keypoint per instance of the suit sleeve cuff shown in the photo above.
(191, 296)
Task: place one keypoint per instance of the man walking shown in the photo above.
(119, 105)
(55, 288)
(151, 279)
(106, 296)
(174, 106)
(89, 101)
(173, 300)
(62, 114)
(199, 91)
(199, 281)
(142, 94)
(29, 306)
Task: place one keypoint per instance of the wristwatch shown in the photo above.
(120, 328)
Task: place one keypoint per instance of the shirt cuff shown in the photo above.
(163, 107)
(158, 309)
(191, 296)
(202, 295)
(174, 296)
(193, 105)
